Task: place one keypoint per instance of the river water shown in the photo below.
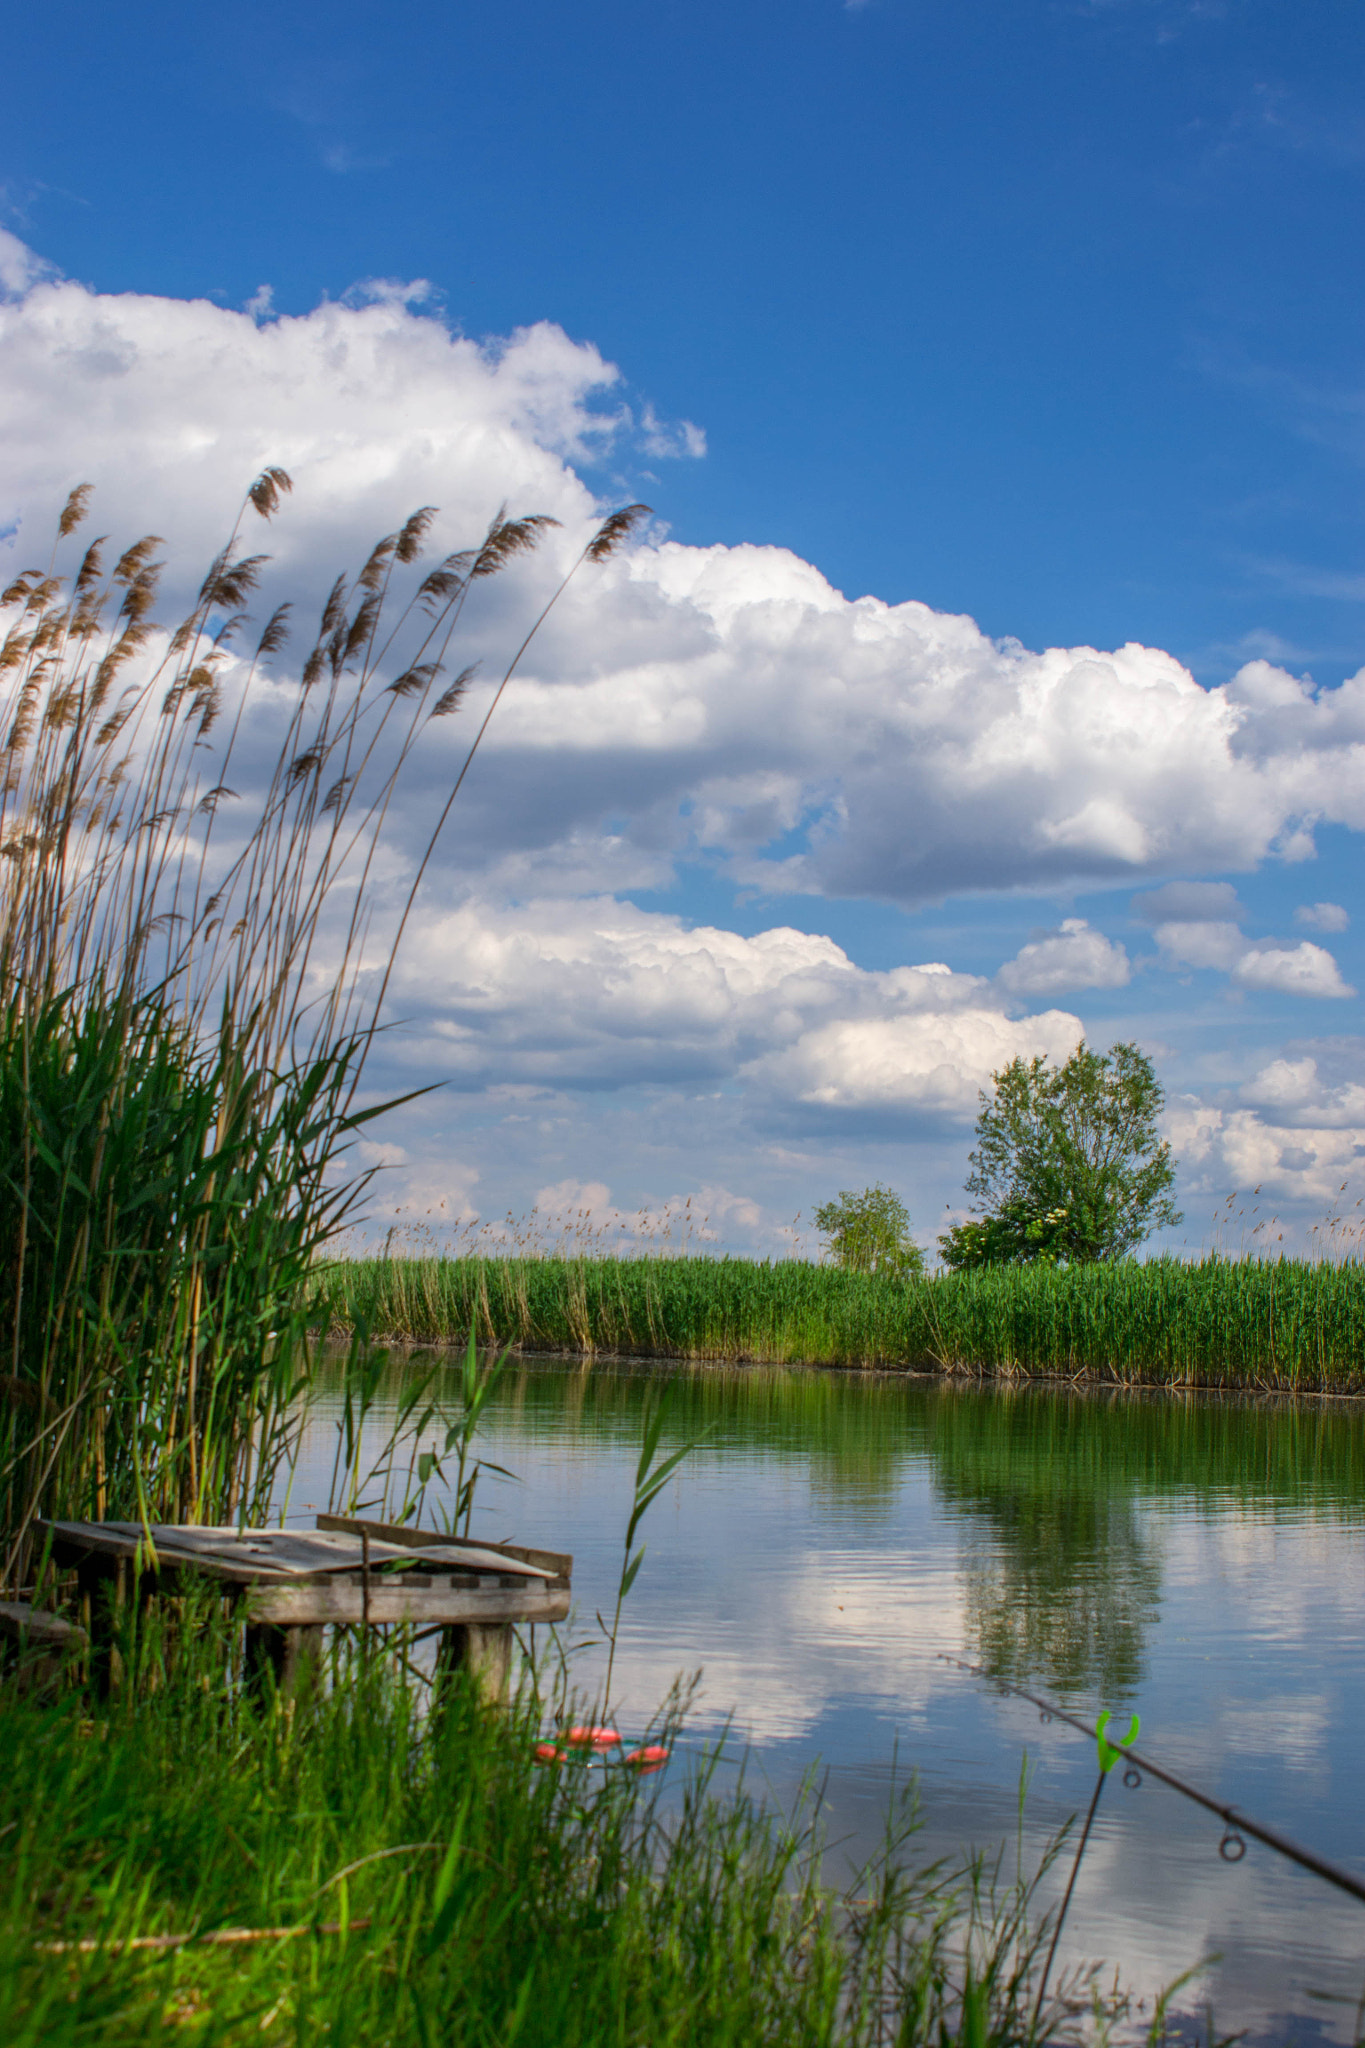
(836, 1537)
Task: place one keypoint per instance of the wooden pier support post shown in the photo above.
(103, 1594)
(291, 1656)
(485, 1652)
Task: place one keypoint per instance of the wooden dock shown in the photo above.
(43, 1644)
(289, 1585)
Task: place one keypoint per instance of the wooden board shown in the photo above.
(255, 1555)
(283, 1585)
(474, 1557)
(112, 1544)
(558, 1563)
(306, 1552)
(396, 1599)
(22, 1623)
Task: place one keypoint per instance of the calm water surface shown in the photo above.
(837, 1535)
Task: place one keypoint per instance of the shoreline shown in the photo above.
(1015, 1378)
(1276, 1327)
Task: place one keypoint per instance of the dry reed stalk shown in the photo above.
(184, 1023)
(216, 1937)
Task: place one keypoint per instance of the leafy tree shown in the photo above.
(1068, 1165)
(870, 1232)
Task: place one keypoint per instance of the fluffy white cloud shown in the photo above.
(723, 705)
(1297, 970)
(602, 994)
(567, 1200)
(1289, 1138)
(1295, 1094)
(170, 407)
(911, 1064)
(1302, 970)
(688, 701)
(1075, 956)
(1322, 917)
(1221, 1150)
(20, 268)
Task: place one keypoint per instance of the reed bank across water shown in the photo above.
(1278, 1324)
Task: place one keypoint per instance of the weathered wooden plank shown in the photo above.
(239, 1556)
(301, 1553)
(253, 1555)
(343, 1600)
(22, 1623)
(558, 1563)
(474, 1558)
(102, 1545)
(106, 1539)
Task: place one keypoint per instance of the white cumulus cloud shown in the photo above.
(911, 1064)
(20, 268)
(721, 703)
(721, 706)
(1301, 969)
(599, 993)
(1075, 956)
(1322, 917)
(1201, 944)
(1294, 1093)
(1225, 1149)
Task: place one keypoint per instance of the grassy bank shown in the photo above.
(1282, 1323)
(421, 1881)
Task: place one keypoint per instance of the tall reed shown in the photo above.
(189, 986)
(1273, 1323)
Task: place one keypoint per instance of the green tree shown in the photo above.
(870, 1232)
(1068, 1165)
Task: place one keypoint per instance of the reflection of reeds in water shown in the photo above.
(1050, 1489)
(188, 992)
(988, 1442)
(1270, 1323)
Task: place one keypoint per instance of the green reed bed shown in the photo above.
(1048, 1440)
(196, 939)
(414, 1878)
(1216, 1322)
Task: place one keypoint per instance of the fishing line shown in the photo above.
(1237, 1825)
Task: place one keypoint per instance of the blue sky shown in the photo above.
(1049, 315)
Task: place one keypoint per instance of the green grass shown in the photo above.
(468, 1896)
(1281, 1324)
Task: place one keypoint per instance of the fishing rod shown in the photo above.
(1232, 1848)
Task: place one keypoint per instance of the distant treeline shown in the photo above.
(1246, 1323)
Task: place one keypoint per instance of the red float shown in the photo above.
(595, 1738)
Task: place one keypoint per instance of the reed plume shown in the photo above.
(186, 1007)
